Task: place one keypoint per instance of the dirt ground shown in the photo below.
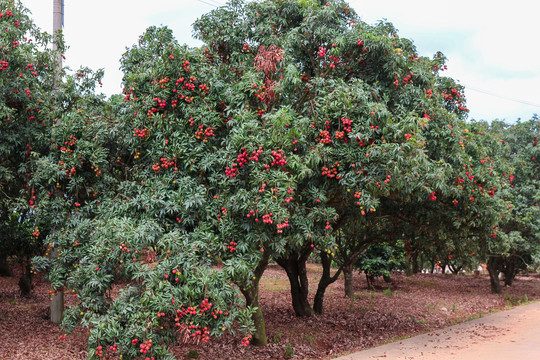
(406, 307)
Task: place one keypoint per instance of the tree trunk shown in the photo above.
(370, 279)
(509, 270)
(325, 280)
(415, 264)
(4, 267)
(252, 299)
(443, 268)
(251, 295)
(295, 266)
(493, 267)
(508, 281)
(57, 300)
(348, 274)
(412, 263)
(455, 269)
(25, 281)
(350, 257)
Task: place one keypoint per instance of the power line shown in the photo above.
(207, 3)
(216, 2)
(502, 97)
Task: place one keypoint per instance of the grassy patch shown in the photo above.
(366, 293)
(515, 301)
(274, 284)
(314, 268)
(475, 316)
(310, 339)
(289, 352)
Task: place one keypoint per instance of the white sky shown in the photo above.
(492, 46)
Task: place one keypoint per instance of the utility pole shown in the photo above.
(58, 24)
(57, 300)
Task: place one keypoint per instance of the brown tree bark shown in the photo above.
(493, 267)
(509, 269)
(415, 263)
(326, 279)
(251, 295)
(433, 263)
(295, 267)
(4, 267)
(25, 281)
(348, 275)
(353, 247)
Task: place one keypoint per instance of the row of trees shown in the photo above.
(295, 131)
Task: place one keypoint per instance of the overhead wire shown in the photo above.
(211, 4)
(216, 2)
(525, 102)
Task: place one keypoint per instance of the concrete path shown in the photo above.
(507, 335)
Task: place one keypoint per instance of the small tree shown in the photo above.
(381, 260)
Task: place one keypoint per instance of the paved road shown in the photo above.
(507, 335)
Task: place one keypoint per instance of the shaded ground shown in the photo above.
(409, 306)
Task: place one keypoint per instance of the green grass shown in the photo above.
(289, 352)
(351, 304)
(14, 301)
(366, 293)
(476, 316)
(428, 283)
(358, 295)
(515, 301)
(274, 284)
(310, 339)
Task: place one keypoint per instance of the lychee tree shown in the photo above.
(515, 241)
(375, 109)
(387, 129)
(292, 124)
(27, 112)
(139, 218)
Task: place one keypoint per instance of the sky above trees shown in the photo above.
(489, 47)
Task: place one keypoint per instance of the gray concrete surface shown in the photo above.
(506, 335)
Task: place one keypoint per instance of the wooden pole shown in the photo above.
(57, 300)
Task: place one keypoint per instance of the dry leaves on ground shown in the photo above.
(408, 306)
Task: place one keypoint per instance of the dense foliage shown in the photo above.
(295, 131)
(27, 114)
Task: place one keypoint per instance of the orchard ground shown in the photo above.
(406, 307)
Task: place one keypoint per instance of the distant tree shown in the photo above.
(518, 236)
(381, 260)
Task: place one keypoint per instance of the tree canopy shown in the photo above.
(296, 130)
